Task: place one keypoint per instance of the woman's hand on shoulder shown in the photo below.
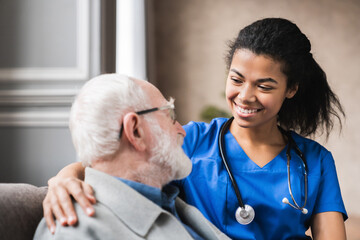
(58, 202)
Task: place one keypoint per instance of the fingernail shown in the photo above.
(63, 221)
(91, 196)
(71, 220)
(89, 211)
(52, 230)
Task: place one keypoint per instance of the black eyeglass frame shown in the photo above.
(170, 106)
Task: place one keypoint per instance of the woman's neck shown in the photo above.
(262, 135)
(261, 144)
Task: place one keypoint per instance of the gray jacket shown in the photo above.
(123, 213)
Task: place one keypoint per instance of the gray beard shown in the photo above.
(171, 157)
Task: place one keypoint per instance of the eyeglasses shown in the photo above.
(169, 106)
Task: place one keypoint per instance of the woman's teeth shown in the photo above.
(247, 111)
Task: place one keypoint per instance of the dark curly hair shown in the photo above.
(314, 106)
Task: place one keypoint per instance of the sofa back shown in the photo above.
(20, 210)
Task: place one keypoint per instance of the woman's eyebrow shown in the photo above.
(237, 72)
(263, 80)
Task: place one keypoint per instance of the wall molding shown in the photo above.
(35, 119)
(37, 97)
(44, 74)
(42, 96)
(80, 72)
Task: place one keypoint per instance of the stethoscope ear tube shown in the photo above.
(293, 145)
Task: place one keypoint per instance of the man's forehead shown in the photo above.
(154, 93)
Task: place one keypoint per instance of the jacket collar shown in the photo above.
(133, 209)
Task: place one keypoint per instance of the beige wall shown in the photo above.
(190, 39)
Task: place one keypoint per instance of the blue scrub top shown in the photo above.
(209, 188)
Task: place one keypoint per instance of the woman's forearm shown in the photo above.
(328, 226)
(76, 170)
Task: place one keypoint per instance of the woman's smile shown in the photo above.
(246, 111)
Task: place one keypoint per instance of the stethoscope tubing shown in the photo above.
(245, 209)
(225, 126)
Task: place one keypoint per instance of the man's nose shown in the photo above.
(180, 129)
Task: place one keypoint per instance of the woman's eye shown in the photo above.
(265, 88)
(236, 80)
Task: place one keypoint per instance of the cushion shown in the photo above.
(20, 210)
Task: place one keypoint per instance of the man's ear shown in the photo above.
(292, 91)
(133, 130)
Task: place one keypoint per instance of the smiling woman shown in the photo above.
(190, 63)
(273, 83)
(256, 88)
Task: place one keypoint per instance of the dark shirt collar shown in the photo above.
(164, 198)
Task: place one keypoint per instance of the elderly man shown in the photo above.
(126, 134)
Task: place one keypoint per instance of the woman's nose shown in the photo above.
(246, 94)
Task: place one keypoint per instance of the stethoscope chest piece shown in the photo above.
(245, 215)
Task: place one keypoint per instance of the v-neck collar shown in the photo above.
(239, 161)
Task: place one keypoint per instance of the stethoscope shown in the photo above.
(245, 213)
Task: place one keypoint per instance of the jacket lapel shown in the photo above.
(194, 218)
(137, 212)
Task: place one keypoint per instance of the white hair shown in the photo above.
(94, 117)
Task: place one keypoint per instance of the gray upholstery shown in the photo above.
(20, 210)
